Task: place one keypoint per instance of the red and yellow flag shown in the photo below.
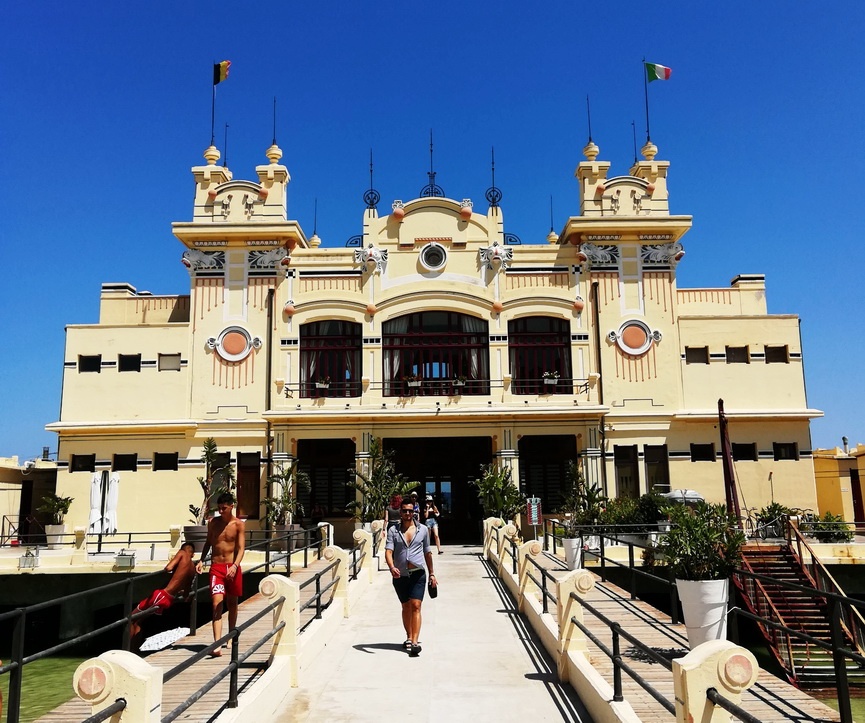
(220, 71)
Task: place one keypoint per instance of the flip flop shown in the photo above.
(407, 644)
(415, 651)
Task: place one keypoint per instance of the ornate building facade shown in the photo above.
(444, 335)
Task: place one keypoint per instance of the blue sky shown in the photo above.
(106, 106)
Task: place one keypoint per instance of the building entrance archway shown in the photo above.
(443, 467)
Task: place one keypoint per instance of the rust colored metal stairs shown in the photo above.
(806, 665)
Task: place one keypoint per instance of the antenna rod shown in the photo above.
(213, 112)
(589, 114)
(370, 168)
(274, 120)
(551, 203)
(634, 129)
(315, 218)
(493, 153)
(225, 157)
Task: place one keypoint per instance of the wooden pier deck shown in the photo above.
(771, 699)
(178, 689)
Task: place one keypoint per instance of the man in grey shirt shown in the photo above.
(410, 560)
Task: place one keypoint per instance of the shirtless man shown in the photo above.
(183, 571)
(226, 536)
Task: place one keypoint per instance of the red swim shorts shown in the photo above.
(161, 599)
(219, 585)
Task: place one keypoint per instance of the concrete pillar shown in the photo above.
(174, 532)
(120, 674)
(718, 664)
(489, 536)
(340, 593)
(379, 533)
(526, 551)
(325, 532)
(506, 533)
(571, 638)
(272, 588)
(79, 552)
(363, 540)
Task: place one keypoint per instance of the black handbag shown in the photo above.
(433, 591)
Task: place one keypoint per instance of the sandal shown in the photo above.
(415, 651)
(407, 644)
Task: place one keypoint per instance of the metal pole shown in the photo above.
(193, 612)
(617, 660)
(840, 663)
(232, 685)
(14, 705)
(127, 633)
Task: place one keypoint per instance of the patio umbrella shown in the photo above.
(684, 496)
(95, 523)
(111, 505)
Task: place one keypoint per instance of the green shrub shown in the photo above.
(829, 528)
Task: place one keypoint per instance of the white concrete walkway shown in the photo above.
(478, 663)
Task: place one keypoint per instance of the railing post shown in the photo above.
(13, 705)
(121, 674)
(717, 664)
(674, 597)
(272, 588)
(840, 663)
(602, 538)
(633, 574)
(193, 606)
(617, 664)
(130, 603)
(571, 639)
(232, 683)
(526, 585)
(364, 542)
(341, 573)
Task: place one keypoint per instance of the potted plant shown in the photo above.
(551, 378)
(702, 549)
(375, 485)
(583, 508)
(217, 479)
(827, 529)
(56, 507)
(459, 381)
(497, 493)
(283, 505)
(412, 380)
(323, 383)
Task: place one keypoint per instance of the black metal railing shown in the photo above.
(125, 589)
(546, 576)
(106, 713)
(316, 599)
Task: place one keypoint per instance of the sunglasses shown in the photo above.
(406, 512)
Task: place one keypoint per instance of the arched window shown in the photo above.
(330, 359)
(540, 350)
(436, 352)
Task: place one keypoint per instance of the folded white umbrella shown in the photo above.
(111, 504)
(95, 523)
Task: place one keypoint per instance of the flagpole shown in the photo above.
(213, 111)
(589, 115)
(646, 91)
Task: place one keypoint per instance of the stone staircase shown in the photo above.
(806, 665)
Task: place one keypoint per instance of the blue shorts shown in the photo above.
(411, 586)
(431, 522)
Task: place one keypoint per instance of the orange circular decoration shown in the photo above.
(579, 305)
(466, 213)
(92, 682)
(398, 213)
(370, 309)
(634, 337)
(288, 309)
(498, 306)
(234, 342)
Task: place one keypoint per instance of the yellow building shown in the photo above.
(438, 331)
(838, 474)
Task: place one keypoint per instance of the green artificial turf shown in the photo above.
(47, 683)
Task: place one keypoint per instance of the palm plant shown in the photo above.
(217, 479)
(498, 494)
(285, 482)
(375, 485)
(55, 507)
(584, 505)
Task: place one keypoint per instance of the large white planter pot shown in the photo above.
(573, 547)
(704, 605)
(54, 536)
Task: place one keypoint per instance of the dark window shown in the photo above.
(125, 463)
(249, 484)
(738, 355)
(129, 362)
(777, 354)
(702, 452)
(744, 452)
(696, 355)
(169, 362)
(657, 467)
(543, 467)
(89, 362)
(425, 352)
(82, 463)
(327, 462)
(627, 471)
(165, 461)
(330, 359)
(785, 450)
(538, 345)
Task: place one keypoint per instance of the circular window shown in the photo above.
(634, 337)
(433, 256)
(234, 343)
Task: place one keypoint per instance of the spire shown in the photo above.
(371, 197)
(431, 189)
(493, 194)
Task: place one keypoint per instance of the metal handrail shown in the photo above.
(542, 584)
(823, 580)
(106, 713)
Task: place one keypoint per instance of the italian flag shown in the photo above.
(657, 72)
(220, 71)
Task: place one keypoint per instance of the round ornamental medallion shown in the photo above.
(635, 337)
(433, 256)
(234, 343)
